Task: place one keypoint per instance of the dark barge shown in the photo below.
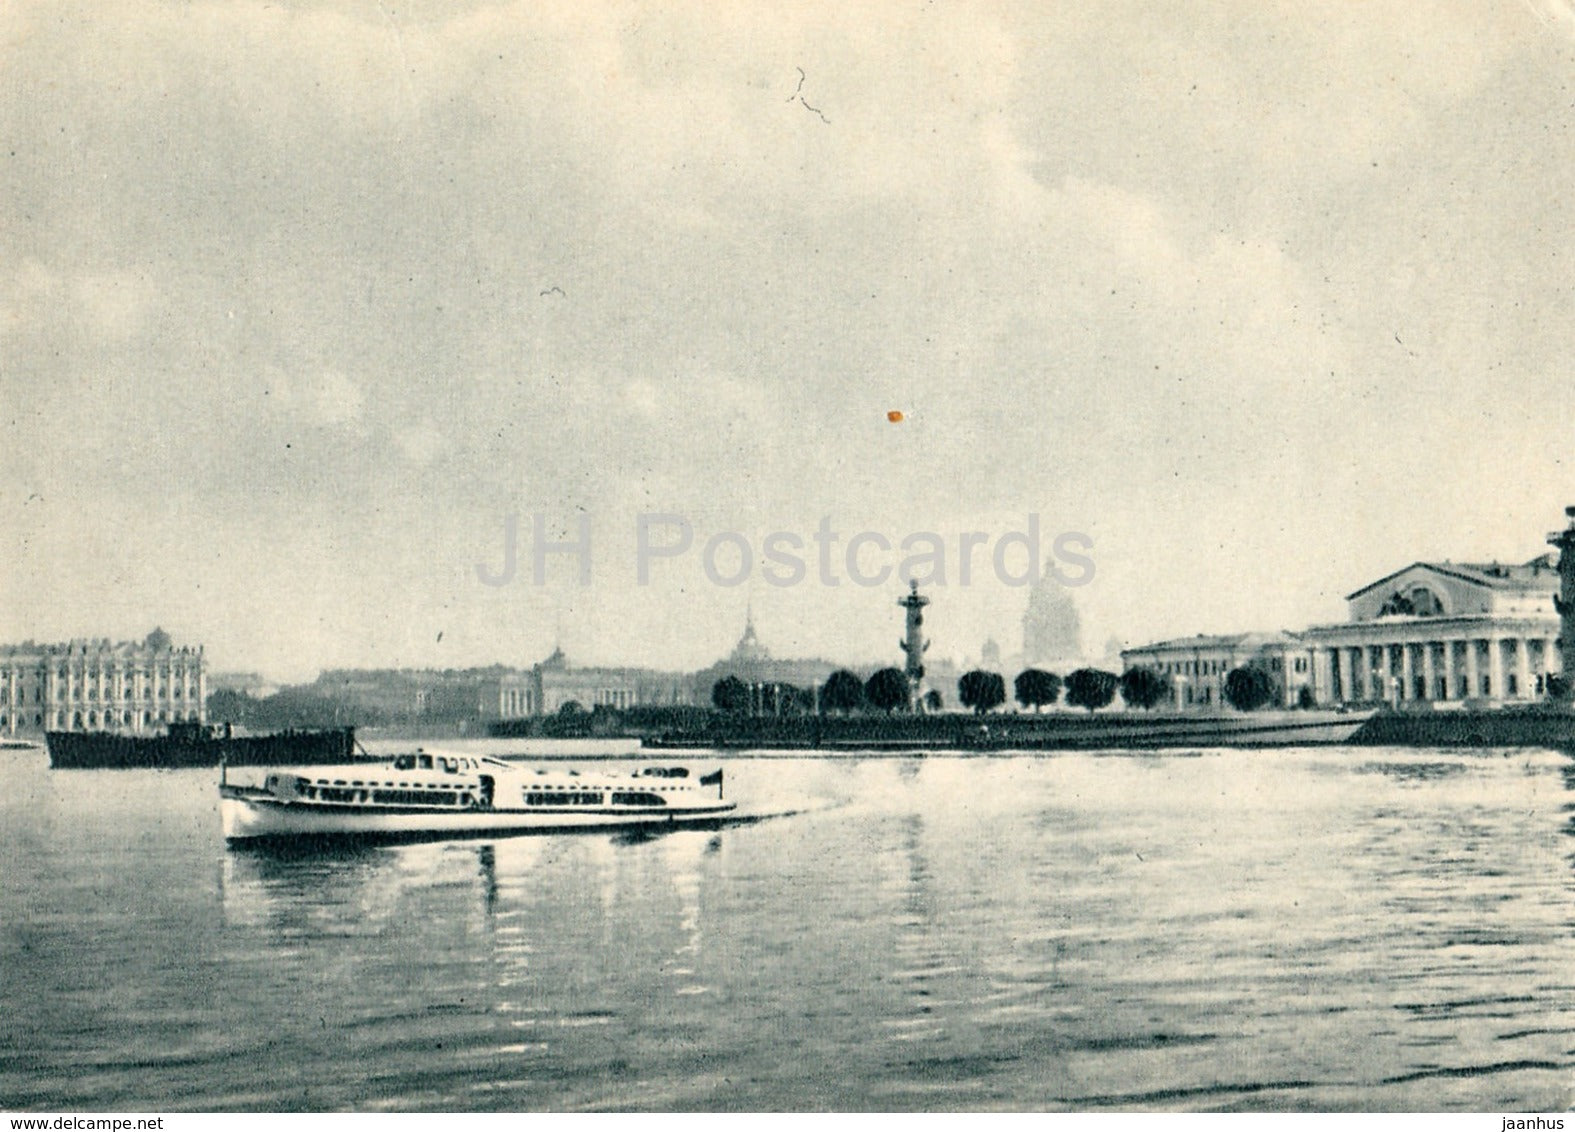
(196, 745)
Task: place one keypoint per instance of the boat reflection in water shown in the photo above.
(526, 933)
(1326, 929)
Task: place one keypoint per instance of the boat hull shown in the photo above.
(254, 815)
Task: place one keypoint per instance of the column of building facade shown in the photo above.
(1341, 673)
(1496, 667)
(1429, 675)
(169, 688)
(1407, 690)
(1449, 669)
(1523, 685)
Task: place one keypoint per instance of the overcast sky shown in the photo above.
(299, 300)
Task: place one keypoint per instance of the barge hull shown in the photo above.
(184, 748)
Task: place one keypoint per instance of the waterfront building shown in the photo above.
(751, 662)
(1443, 634)
(397, 695)
(94, 684)
(555, 682)
(1197, 666)
(485, 695)
(1434, 635)
(253, 684)
(545, 688)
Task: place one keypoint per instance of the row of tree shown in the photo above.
(886, 691)
(1247, 689)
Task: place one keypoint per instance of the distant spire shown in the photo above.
(749, 647)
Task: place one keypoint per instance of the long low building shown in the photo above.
(1197, 666)
(1435, 634)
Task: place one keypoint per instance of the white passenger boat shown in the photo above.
(431, 794)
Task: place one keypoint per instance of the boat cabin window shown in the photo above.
(429, 797)
(563, 798)
(637, 798)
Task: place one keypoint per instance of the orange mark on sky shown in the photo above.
(895, 416)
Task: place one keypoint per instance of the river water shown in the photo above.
(1316, 929)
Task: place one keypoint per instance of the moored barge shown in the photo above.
(196, 745)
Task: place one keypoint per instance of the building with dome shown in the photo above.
(751, 662)
(1052, 627)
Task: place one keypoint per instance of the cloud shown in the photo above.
(327, 399)
(1111, 260)
(97, 306)
(420, 443)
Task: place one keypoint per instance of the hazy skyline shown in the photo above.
(300, 301)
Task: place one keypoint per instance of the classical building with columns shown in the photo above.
(1433, 635)
(1442, 634)
(99, 685)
